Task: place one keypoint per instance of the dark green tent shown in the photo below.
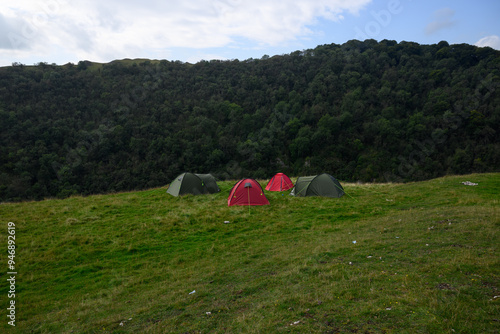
(196, 184)
(209, 182)
(318, 185)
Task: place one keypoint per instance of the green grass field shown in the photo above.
(390, 258)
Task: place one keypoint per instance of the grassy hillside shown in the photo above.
(392, 258)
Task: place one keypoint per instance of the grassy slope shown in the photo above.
(425, 261)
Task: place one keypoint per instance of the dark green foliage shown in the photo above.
(382, 111)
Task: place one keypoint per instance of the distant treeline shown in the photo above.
(368, 111)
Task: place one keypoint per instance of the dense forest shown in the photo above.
(361, 111)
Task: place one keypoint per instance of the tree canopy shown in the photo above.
(367, 111)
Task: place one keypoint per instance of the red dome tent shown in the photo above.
(279, 182)
(247, 192)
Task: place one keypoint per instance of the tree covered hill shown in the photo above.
(369, 111)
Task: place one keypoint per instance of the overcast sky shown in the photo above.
(62, 31)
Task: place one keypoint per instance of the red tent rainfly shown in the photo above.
(247, 192)
(279, 182)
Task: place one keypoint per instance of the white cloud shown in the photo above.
(106, 30)
(11, 28)
(491, 41)
(442, 19)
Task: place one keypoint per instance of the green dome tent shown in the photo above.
(318, 185)
(196, 184)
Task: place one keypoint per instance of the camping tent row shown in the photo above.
(250, 192)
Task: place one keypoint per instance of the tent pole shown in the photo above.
(248, 200)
